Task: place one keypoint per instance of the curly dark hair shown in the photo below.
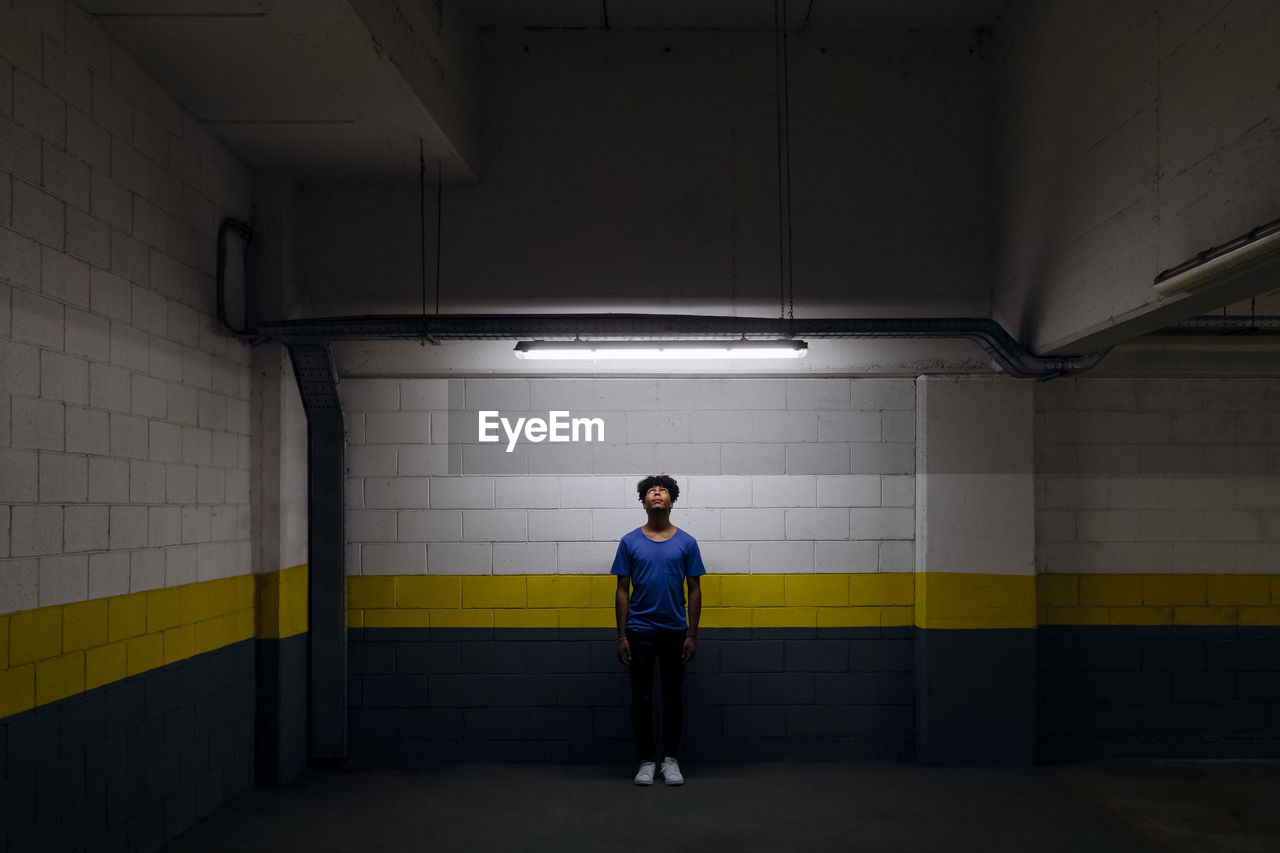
(665, 480)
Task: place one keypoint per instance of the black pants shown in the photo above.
(664, 647)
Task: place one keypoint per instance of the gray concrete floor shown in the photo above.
(1129, 806)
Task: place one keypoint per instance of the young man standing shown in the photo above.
(653, 564)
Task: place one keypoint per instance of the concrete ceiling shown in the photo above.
(339, 89)
(319, 88)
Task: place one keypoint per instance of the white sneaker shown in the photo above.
(671, 771)
(644, 776)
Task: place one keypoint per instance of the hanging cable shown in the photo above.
(777, 71)
(439, 224)
(422, 234)
(786, 277)
(786, 159)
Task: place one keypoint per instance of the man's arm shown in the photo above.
(621, 600)
(695, 613)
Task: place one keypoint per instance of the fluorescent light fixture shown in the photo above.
(586, 350)
(1255, 253)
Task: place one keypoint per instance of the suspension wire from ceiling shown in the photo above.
(777, 73)
(421, 222)
(422, 232)
(604, 4)
(786, 283)
(439, 224)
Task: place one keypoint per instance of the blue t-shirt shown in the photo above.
(657, 571)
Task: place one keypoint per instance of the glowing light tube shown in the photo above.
(587, 350)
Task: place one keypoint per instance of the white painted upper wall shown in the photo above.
(124, 411)
(776, 475)
(1133, 135)
(637, 171)
(974, 484)
(1168, 476)
(278, 479)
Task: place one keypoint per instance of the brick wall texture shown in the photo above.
(124, 413)
(124, 433)
(420, 695)
(129, 765)
(1177, 479)
(776, 475)
(1158, 475)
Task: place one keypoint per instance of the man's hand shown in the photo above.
(624, 651)
(689, 650)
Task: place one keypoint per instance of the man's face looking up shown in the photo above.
(657, 497)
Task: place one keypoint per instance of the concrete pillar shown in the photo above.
(278, 499)
(975, 572)
(327, 603)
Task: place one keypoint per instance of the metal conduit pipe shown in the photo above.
(988, 334)
(227, 227)
(1012, 357)
(1232, 325)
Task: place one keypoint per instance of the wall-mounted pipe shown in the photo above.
(1012, 357)
(241, 229)
(1229, 325)
(988, 334)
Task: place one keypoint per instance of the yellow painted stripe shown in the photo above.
(972, 600)
(54, 652)
(1158, 599)
(282, 603)
(953, 600)
(586, 601)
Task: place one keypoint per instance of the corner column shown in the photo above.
(279, 532)
(327, 604)
(975, 613)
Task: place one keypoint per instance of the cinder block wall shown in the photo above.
(475, 633)
(1158, 531)
(126, 611)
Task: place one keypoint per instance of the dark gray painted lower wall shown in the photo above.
(1159, 692)
(280, 749)
(975, 696)
(421, 695)
(129, 765)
